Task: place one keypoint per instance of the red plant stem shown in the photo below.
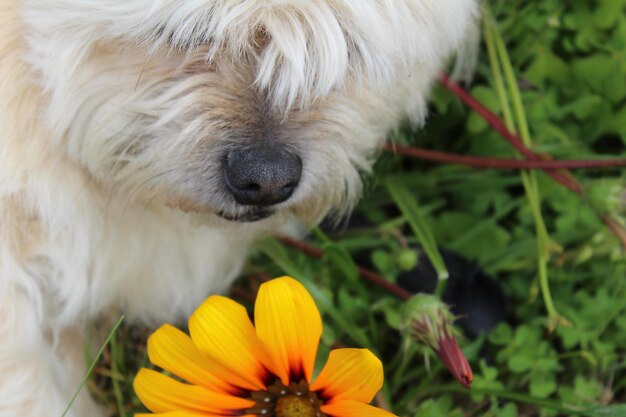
(495, 122)
(500, 163)
(563, 177)
(371, 276)
(486, 114)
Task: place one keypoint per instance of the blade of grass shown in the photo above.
(116, 360)
(413, 214)
(544, 244)
(93, 364)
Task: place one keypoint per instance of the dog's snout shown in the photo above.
(262, 174)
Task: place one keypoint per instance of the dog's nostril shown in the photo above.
(262, 174)
(252, 187)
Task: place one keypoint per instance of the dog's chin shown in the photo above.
(246, 217)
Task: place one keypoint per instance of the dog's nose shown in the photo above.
(262, 174)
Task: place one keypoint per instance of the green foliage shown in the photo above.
(569, 60)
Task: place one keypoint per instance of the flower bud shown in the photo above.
(428, 321)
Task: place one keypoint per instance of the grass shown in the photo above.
(559, 346)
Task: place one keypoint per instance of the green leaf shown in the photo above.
(547, 66)
(475, 123)
(501, 335)
(341, 258)
(509, 410)
(542, 385)
(582, 107)
(474, 236)
(326, 305)
(607, 13)
(604, 75)
(587, 389)
(384, 262)
(521, 362)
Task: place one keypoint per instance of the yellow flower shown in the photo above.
(231, 368)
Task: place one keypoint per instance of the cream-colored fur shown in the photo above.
(114, 117)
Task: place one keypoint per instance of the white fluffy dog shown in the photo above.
(144, 144)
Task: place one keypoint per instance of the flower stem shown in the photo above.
(117, 389)
(516, 120)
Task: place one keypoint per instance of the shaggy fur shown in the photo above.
(115, 116)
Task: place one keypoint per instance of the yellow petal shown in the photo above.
(172, 350)
(354, 409)
(222, 329)
(160, 394)
(289, 325)
(350, 374)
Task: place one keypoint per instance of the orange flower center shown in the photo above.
(294, 400)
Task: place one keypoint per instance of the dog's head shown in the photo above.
(242, 109)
